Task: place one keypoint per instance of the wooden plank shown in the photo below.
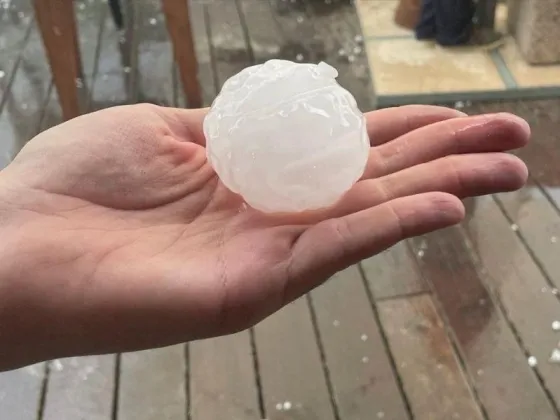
(177, 15)
(292, 377)
(156, 83)
(539, 225)
(223, 382)
(393, 273)
(20, 392)
(109, 86)
(206, 76)
(273, 34)
(80, 388)
(229, 48)
(16, 26)
(336, 27)
(517, 283)
(364, 383)
(535, 212)
(56, 21)
(152, 385)
(497, 366)
(27, 96)
(291, 373)
(92, 21)
(432, 378)
(311, 31)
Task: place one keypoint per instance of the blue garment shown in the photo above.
(449, 22)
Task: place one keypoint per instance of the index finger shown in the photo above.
(387, 124)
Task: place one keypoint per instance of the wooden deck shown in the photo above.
(439, 327)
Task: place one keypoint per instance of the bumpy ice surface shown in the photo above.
(286, 137)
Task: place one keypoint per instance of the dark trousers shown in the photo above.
(449, 22)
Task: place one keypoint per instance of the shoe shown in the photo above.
(487, 39)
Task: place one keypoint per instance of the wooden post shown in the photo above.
(179, 27)
(57, 24)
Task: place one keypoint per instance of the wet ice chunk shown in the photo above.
(286, 136)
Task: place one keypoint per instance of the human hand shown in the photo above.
(117, 235)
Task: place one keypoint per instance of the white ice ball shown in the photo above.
(286, 136)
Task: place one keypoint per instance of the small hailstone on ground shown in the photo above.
(553, 239)
(357, 50)
(359, 39)
(299, 57)
(279, 406)
(480, 372)
(420, 253)
(351, 58)
(57, 365)
(554, 291)
(299, 19)
(363, 337)
(380, 414)
(555, 356)
(126, 69)
(153, 21)
(532, 361)
(514, 227)
(287, 405)
(544, 289)
(2, 74)
(556, 325)
(341, 52)
(459, 105)
(286, 136)
(365, 359)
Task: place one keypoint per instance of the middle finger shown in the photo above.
(478, 134)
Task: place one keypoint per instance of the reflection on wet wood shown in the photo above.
(518, 284)
(393, 273)
(495, 363)
(431, 375)
(363, 381)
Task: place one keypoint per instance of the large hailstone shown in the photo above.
(286, 137)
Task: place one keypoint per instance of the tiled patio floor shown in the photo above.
(405, 70)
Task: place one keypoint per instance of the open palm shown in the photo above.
(119, 235)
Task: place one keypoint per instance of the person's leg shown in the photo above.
(426, 26)
(454, 21)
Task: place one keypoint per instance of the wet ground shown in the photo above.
(453, 325)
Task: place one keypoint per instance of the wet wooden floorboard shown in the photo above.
(438, 327)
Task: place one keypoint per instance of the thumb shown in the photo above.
(334, 244)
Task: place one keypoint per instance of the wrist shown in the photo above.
(24, 325)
